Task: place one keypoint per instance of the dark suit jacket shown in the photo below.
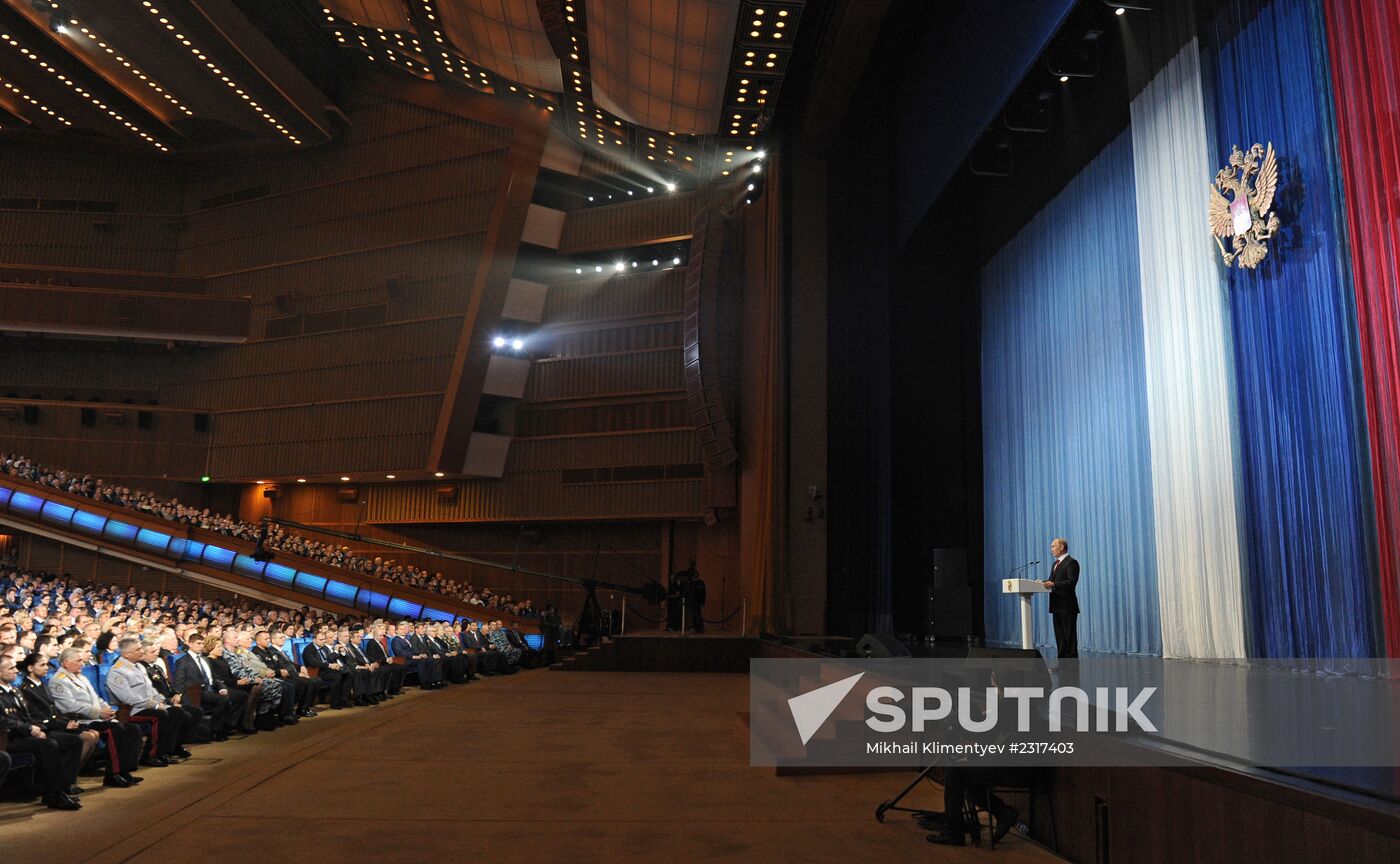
(311, 657)
(42, 709)
(187, 675)
(402, 647)
(376, 653)
(1065, 577)
(472, 640)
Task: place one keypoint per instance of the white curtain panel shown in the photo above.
(1186, 331)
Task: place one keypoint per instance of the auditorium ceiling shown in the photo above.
(674, 83)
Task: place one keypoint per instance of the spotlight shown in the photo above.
(651, 189)
(590, 197)
(578, 270)
(676, 260)
(344, 479)
(670, 187)
(1119, 11)
(757, 168)
(762, 153)
(750, 187)
(517, 344)
(654, 262)
(634, 263)
(301, 479)
(629, 192)
(261, 482)
(598, 269)
(1064, 79)
(439, 474)
(389, 476)
(748, 201)
(619, 266)
(499, 342)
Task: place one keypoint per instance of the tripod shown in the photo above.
(893, 802)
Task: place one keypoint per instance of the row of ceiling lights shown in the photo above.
(345, 478)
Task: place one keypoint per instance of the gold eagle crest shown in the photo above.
(1240, 202)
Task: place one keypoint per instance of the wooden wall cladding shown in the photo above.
(112, 241)
(382, 434)
(366, 363)
(617, 297)
(654, 371)
(534, 496)
(169, 447)
(143, 315)
(615, 340)
(544, 420)
(606, 450)
(634, 223)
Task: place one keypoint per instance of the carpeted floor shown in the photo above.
(541, 766)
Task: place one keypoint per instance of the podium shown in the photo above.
(1026, 588)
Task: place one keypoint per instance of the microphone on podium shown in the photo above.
(1025, 566)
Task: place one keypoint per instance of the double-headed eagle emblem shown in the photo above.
(1241, 213)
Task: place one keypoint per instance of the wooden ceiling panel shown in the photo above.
(505, 36)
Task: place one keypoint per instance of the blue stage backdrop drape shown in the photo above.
(1186, 338)
(1065, 415)
(1306, 490)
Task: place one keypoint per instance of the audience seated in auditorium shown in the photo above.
(180, 672)
(277, 537)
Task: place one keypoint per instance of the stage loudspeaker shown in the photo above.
(201, 422)
(144, 419)
(272, 492)
(880, 645)
(31, 414)
(347, 494)
(447, 492)
(950, 611)
(88, 416)
(1073, 59)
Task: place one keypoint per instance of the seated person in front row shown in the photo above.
(129, 683)
(57, 755)
(74, 696)
(223, 706)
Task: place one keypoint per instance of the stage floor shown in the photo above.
(539, 766)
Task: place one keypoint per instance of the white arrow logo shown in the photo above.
(811, 709)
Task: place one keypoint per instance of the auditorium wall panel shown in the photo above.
(613, 340)
(607, 375)
(647, 413)
(630, 224)
(604, 450)
(529, 497)
(616, 297)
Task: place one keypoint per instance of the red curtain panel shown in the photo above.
(1364, 37)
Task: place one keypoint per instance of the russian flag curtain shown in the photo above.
(1232, 488)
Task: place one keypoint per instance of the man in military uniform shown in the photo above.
(130, 684)
(74, 695)
(268, 647)
(56, 755)
(121, 755)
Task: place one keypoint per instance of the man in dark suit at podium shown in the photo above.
(1064, 606)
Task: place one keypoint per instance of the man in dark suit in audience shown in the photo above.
(475, 641)
(223, 705)
(361, 676)
(415, 654)
(160, 678)
(379, 651)
(319, 656)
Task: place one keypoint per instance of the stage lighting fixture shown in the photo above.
(761, 153)
(590, 197)
(634, 263)
(1121, 6)
(301, 479)
(654, 262)
(670, 187)
(344, 479)
(204, 478)
(499, 342)
(1064, 79)
(598, 269)
(439, 474)
(517, 344)
(629, 192)
(676, 260)
(757, 168)
(1119, 11)
(619, 266)
(651, 189)
(578, 270)
(388, 476)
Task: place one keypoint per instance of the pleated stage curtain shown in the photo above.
(1305, 485)
(1187, 364)
(1365, 75)
(1065, 413)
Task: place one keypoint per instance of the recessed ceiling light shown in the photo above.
(301, 479)
(1119, 11)
(1064, 79)
(389, 476)
(439, 474)
(344, 479)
